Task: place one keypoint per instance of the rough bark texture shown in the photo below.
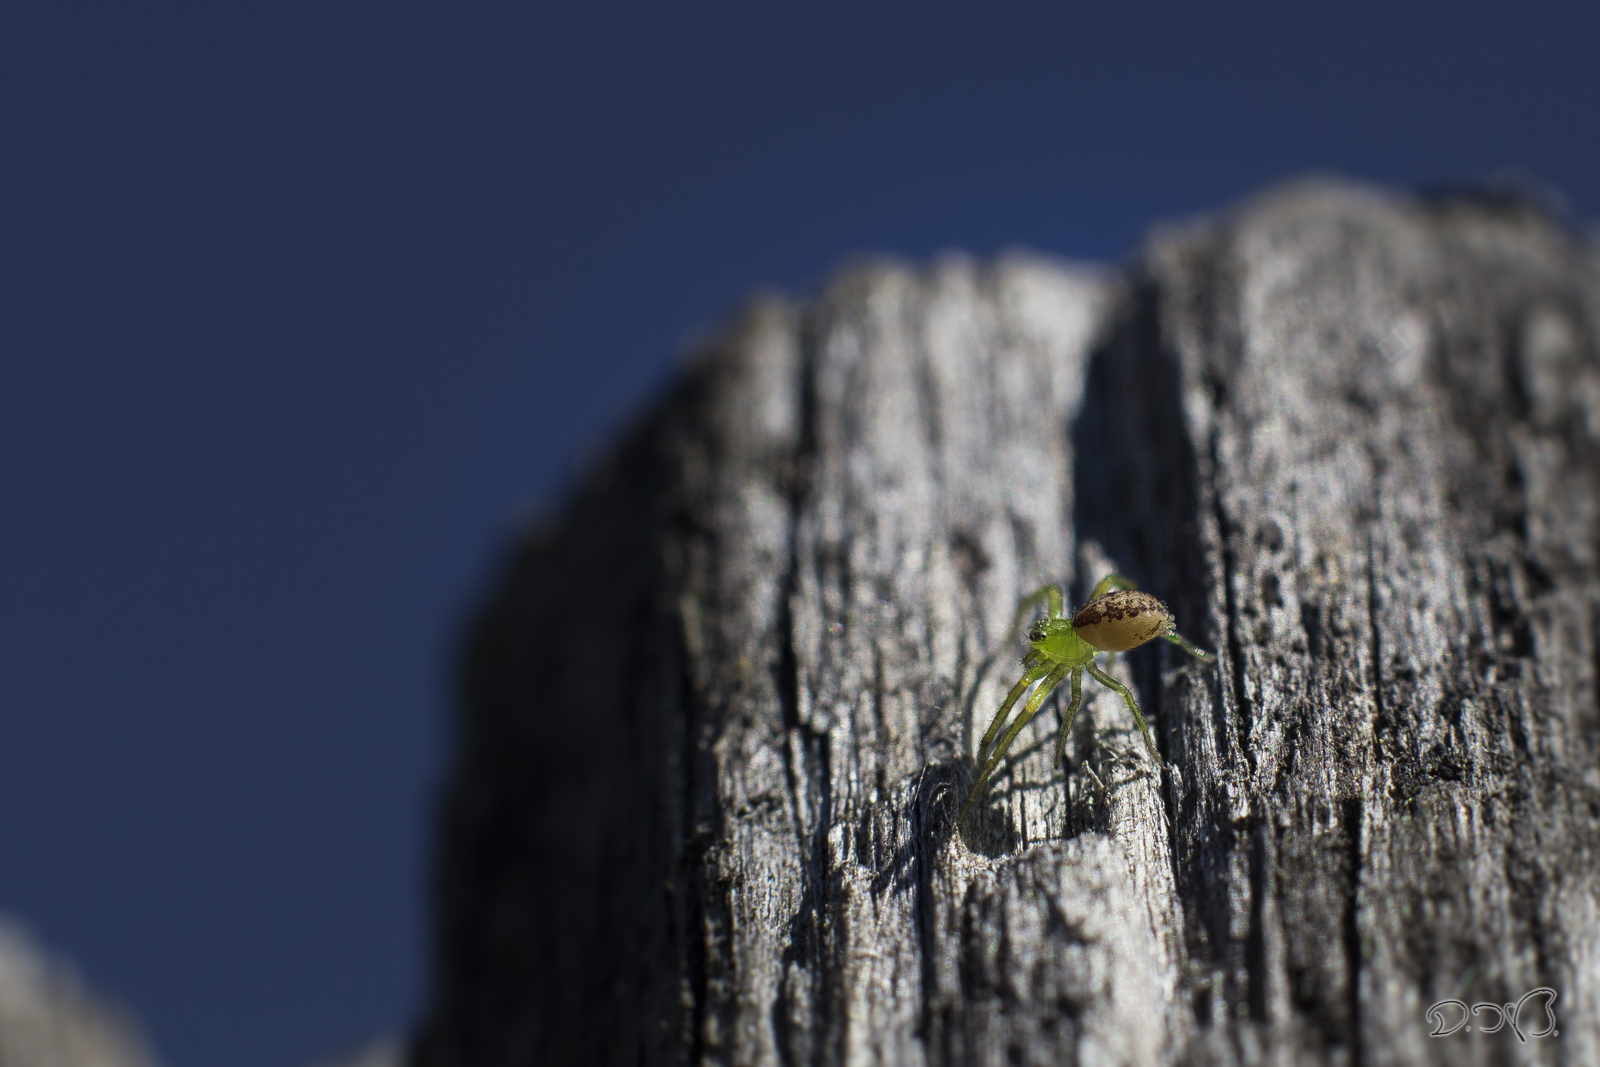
(716, 724)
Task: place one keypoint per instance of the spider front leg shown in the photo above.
(1054, 603)
(1028, 678)
(1051, 595)
(1133, 705)
(1051, 680)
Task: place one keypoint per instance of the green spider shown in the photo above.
(1116, 618)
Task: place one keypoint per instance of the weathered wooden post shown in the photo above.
(716, 724)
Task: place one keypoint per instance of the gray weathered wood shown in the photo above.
(716, 722)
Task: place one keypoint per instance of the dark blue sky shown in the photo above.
(300, 309)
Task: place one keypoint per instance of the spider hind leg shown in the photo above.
(1108, 583)
(1184, 643)
(1133, 705)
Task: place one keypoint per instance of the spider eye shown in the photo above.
(1038, 631)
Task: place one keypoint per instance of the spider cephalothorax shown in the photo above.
(1116, 618)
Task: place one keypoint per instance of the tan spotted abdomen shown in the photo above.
(1122, 619)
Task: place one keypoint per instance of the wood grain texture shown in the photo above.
(716, 722)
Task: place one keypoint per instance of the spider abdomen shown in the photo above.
(1122, 619)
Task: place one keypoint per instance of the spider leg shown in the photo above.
(1133, 705)
(1071, 713)
(1051, 680)
(1027, 679)
(1110, 582)
(1050, 594)
(1182, 642)
(1095, 776)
